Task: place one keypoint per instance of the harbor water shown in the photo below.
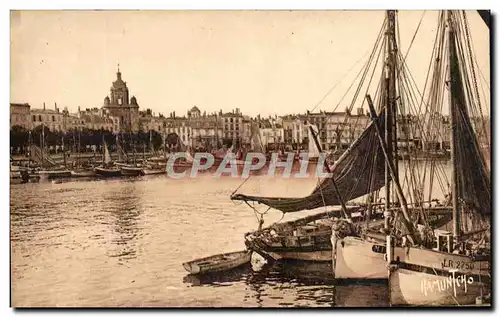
(122, 242)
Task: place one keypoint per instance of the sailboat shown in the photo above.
(49, 168)
(152, 166)
(455, 267)
(107, 169)
(79, 170)
(358, 250)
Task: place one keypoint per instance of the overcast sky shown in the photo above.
(263, 62)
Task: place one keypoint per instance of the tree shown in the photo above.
(18, 137)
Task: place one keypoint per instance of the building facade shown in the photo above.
(118, 105)
(52, 119)
(20, 115)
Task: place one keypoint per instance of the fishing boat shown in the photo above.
(358, 174)
(218, 263)
(452, 268)
(90, 172)
(107, 169)
(80, 171)
(132, 170)
(154, 171)
(54, 173)
(305, 239)
(49, 169)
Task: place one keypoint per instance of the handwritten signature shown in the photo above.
(441, 285)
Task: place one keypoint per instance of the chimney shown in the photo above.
(44, 106)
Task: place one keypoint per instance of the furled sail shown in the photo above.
(359, 171)
(472, 175)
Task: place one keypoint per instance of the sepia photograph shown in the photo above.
(250, 158)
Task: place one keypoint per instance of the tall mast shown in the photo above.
(63, 151)
(164, 144)
(454, 185)
(390, 92)
(29, 149)
(43, 141)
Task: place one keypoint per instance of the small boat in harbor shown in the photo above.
(54, 174)
(132, 171)
(107, 169)
(218, 263)
(154, 171)
(83, 173)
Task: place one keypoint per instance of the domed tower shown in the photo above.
(118, 105)
(119, 90)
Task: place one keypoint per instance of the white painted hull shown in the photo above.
(421, 289)
(424, 277)
(356, 260)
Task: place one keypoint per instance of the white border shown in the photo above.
(179, 5)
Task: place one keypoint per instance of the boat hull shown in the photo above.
(54, 174)
(424, 277)
(218, 263)
(154, 171)
(132, 171)
(107, 172)
(312, 256)
(88, 173)
(357, 258)
(411, 288)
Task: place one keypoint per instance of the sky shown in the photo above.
(267, 62)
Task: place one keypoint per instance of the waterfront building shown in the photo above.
(20, 115)
(232, 126)
(52, 119)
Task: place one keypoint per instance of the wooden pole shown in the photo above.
(404, 207)
(336, 189)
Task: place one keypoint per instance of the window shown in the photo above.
(53, 118)
(231, 120)
(34, 118)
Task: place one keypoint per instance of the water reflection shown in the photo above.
(124, 222)
(296, 284)
(122, 243)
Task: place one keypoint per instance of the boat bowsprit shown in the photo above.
(218, 263)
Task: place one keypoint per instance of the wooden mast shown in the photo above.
(390, 87)
(451, 98)
(337, 192)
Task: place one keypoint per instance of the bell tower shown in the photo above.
(120, 106)
(119, 90)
